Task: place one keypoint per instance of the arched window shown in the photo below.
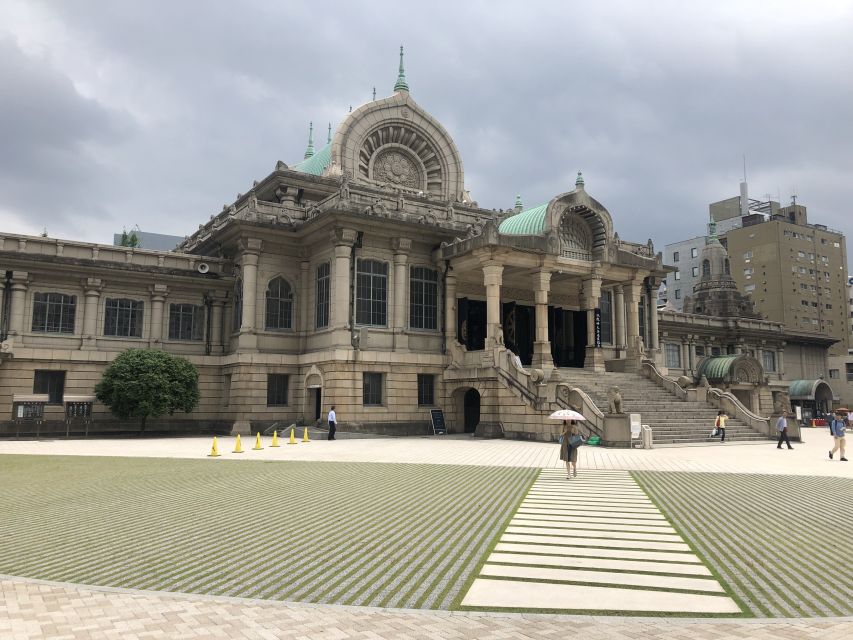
(238, 305)
(706, 267)
(727, 268)
(279, 304)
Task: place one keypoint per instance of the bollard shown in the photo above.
(257, 446)
(275, 439)
(238, 446)
(292, 436)
(305, 435)
(214, 451)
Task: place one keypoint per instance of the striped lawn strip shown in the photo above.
(615, 535)
(614, 579)
(770, 574)
(591, 488)
(164, 507)
(603, 520)
(762, 542)
(597, 552)
(439, 529)
(602, 564)
(640, 502)
(522, 521)
(589, 506)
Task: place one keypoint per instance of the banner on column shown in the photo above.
(597, 325)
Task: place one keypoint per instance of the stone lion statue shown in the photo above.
(614, 400)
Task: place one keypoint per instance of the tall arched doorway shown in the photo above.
(471, 409)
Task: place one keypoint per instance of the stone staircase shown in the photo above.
(673, 421)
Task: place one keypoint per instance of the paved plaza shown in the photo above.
(486, 535)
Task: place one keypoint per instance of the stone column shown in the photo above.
(493, 279)
(619, 312)
(217, 310)
(158, 299)
(685, 354)
(301, 300)
(344, 240)
(633, 291)
(250, 249)
(92, 293)
(542, 358)
(780, 366)
(594, 359)
(450, 283)
(401, 246)
(654, 338)
(20, 280)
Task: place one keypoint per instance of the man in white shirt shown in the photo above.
(782, 428)
(333, 418)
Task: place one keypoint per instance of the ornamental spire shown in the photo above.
(518, 204)
(310, 150)
(401, 85)
(579, 181)
(329, 135)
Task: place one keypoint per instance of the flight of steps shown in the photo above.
(673, 421)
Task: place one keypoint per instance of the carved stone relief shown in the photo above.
(396, 168)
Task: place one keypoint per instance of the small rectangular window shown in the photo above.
(50, 382)
(834, 374)
(747, 255)
(768, 361)
(54, 312)
(426, 389)
(675, 256)
(695, 272)
(673, 356)
(678, 294)
(678, 275)
(277, 384)
(186, 322)
(321, 317)
(372, 389)
(123, 318)
(700, 350)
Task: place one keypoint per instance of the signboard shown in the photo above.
(636, 427)
(437, 419)
(798, 410)
(597, 324)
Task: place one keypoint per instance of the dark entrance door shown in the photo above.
(567, 333)
(471, 323)
(318, 403)
(471, 404)
(519, 326)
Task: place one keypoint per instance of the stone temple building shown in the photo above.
(364, 276)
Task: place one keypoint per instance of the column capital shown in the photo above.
(304, 265)
(158, 292)
(401, 245)
(542, 280)
(343, 235)
(250, 245)
(92, 286)
(20, 279)
(492, 272)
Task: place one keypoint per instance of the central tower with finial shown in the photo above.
(401, 84)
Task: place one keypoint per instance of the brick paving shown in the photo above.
(34, 610)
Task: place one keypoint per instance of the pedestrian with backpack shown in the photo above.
(837, 429)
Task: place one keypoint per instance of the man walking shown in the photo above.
(836, 428)
(333, 418)
(782, 428)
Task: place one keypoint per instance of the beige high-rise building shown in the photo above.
(795, 271)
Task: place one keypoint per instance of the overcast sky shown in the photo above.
(156, 113)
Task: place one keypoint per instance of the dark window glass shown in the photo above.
(371, 301)
(641, 312)
(372, 390)
(706, 267)
(238, 305)
(277, 384)
(606, 306)
(423, 298)
(123, 317)
(321, 318)
(279, 304)
(186, 322)
(50, 382)
(54, 312)
(426, 389)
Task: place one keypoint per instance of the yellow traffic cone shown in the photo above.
(238, 446)
(214, 451)
(257, 446)
(275, 439)
(292, 436)
(305, 435)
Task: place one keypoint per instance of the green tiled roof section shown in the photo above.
(527, 223)
(803, 388)
(316, 164)
(716, 367)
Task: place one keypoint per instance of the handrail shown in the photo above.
(718, 396)
(594, 416)
(651, 372)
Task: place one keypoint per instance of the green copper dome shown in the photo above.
(716, 368)
(317, 163)
(527, 223)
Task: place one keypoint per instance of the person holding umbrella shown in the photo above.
(570, 439)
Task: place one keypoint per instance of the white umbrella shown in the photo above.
(566, 414)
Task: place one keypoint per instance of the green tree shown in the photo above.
(143, 383)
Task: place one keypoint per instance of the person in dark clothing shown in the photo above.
(333, 419)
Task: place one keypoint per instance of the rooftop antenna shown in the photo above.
(329, 135)
(794, 196)
(374, 93)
